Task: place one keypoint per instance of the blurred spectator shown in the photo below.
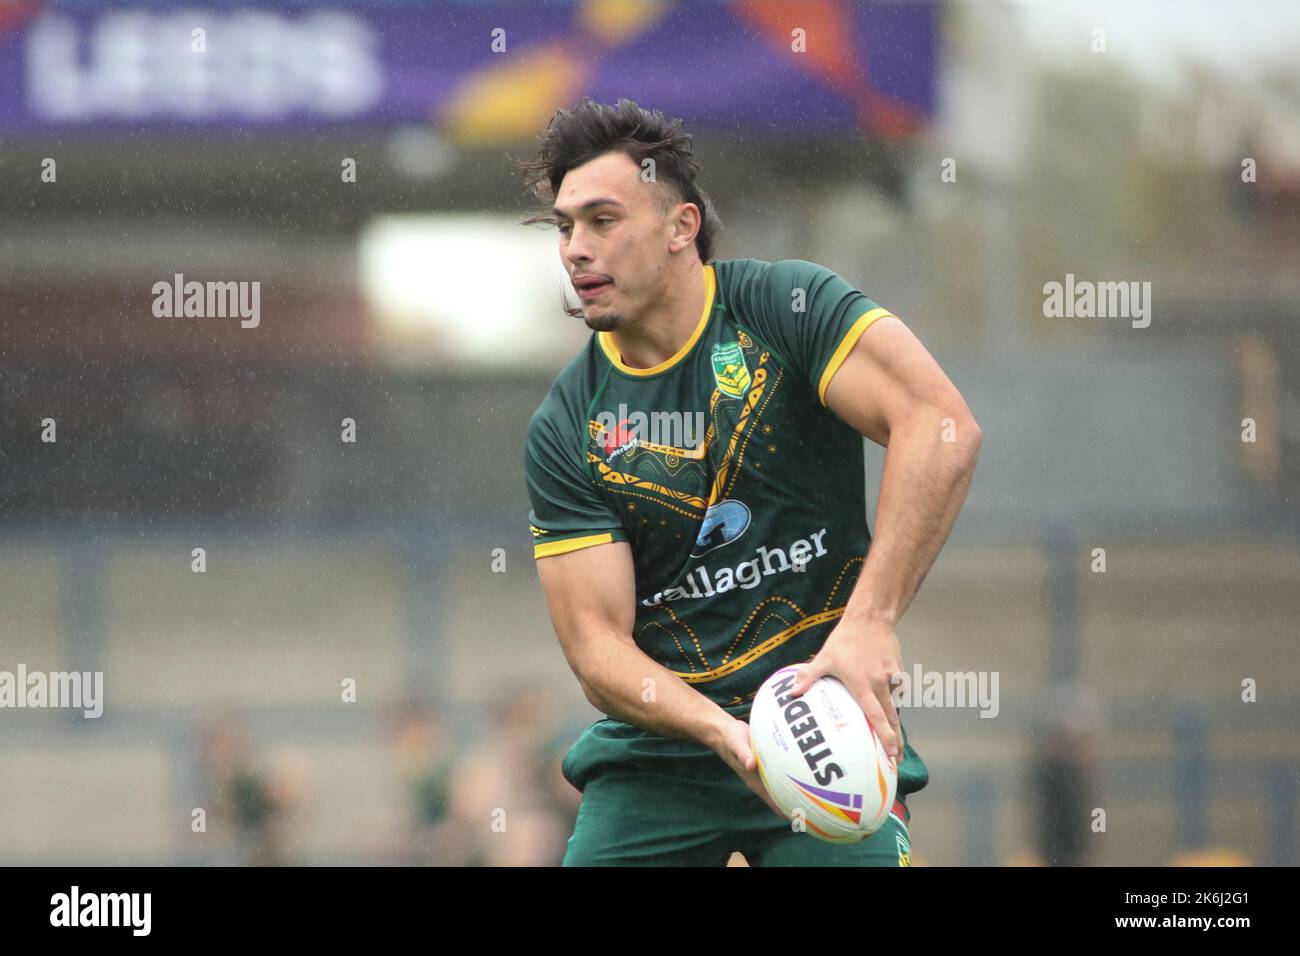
(1063, 780)
(250, 802)
(424, 757)
(510, 803)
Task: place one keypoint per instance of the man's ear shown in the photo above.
(686, 225)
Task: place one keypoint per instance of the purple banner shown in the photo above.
(480, 72)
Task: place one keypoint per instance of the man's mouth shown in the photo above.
(591, 286)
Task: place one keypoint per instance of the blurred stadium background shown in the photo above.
(410, 302)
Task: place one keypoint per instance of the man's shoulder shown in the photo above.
(739, 270)
(730, 272)
(751, 282)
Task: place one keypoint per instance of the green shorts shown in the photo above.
(650, 801)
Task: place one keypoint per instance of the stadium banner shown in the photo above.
(482, 73)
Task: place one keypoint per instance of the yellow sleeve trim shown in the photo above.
(552, 548)
(846, 346)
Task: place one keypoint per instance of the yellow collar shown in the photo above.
(611, 350)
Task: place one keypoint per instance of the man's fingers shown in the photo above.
(877, 702)
(809, 674)
(895, 718)
(867, 699)
(884, 694)
(876, 715)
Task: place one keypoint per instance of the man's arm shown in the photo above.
(591, 595)
(892, 391)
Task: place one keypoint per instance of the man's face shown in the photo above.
(614, 239)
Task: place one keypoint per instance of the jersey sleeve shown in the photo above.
(567, 512)
(807, 313)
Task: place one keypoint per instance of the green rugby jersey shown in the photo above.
(741, 495)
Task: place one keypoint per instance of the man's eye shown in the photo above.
(567, 227)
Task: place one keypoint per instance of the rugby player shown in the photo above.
(679, 578)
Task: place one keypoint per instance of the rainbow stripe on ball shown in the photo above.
(845, 806)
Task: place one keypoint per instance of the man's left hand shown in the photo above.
(865, 656)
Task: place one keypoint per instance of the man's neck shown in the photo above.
(661, 332)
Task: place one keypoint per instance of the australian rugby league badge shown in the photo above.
(729, 369)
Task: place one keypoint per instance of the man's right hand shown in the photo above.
(734, 747)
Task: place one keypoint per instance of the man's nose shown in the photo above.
(577, 249)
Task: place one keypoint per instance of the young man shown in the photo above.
(680, 574)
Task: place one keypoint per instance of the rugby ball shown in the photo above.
(820, 758)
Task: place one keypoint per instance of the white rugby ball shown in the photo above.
(819, 756)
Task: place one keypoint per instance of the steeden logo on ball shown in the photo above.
(819, 756)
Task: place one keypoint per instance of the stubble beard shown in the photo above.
(603, 323)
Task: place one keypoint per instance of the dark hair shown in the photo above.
(578, 135)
